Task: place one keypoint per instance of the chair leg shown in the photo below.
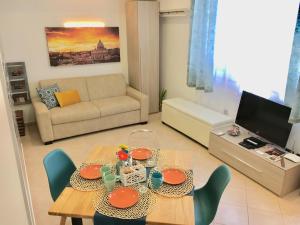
(63, 220)
(76, 221)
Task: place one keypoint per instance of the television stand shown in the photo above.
(277, 176)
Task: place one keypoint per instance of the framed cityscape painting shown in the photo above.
(82, 45)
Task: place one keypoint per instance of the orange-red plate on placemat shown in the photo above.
(90, 172)
(174, 176)
(141, 153)
(123, 197)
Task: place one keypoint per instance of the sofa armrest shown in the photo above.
(144, 101)
(43, 119)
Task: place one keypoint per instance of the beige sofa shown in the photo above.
(106, 102)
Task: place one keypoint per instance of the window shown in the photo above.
(253, 45)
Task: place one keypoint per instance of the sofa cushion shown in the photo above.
(105, 86)
(47, 95)
(73, 113)
(65, 84)
(66, 98)
(115, 105)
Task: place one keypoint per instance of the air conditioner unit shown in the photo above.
(169, 8)
(173, 5)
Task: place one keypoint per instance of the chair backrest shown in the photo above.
(59, 168)
(211, 193)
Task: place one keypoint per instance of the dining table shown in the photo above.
(172, 211)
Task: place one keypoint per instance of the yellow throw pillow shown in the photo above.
(65, 98)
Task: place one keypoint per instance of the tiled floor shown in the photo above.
(244, 201)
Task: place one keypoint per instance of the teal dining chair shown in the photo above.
(207, 198)
(59, 168)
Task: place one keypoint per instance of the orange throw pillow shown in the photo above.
(66, 98)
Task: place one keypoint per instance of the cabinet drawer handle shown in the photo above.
(242, 161)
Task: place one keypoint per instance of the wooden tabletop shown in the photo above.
(172, 211)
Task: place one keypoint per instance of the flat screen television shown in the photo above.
(265, 118)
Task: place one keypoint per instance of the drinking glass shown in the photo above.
(109, 182)
(156, 179)
(143, 188)
(105, 169)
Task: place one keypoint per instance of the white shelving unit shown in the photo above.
(18, 84)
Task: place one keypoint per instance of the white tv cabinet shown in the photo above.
(272, 175)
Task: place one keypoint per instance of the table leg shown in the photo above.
(76, 221)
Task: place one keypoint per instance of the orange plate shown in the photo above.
(123, 197)
(174, 176)
(91, 172)
(141, 153)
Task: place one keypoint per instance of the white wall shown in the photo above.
(13, 204)
(23, 38)
(174, 38)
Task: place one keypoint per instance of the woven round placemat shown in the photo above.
(81, 184)
(142, 208)
(174, 191)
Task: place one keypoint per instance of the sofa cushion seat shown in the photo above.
(116, 105)
(74, 113)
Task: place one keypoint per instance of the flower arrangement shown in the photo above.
(123, 154)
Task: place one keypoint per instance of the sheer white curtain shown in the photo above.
(202, 39)
(253, 44)
(292, 94)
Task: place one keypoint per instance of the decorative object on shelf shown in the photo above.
(133, 174)
(20, 122)
(82, 45)
(234, 131)
(142, 208)
(17, 78)
(174, 191)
